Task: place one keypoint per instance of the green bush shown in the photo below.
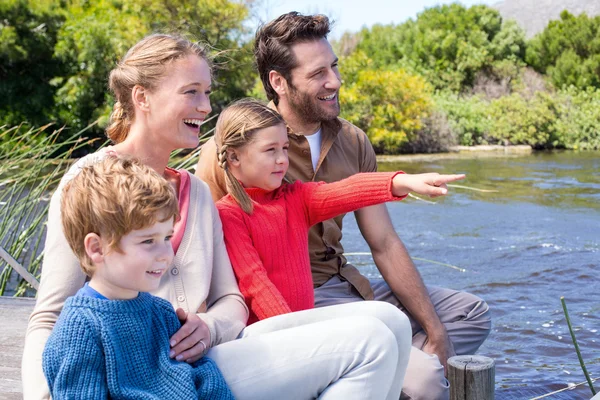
(468, 117)
(516, 120)
(578, 127)
(388, 104)
(568, 51)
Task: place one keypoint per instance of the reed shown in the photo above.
(583, 368)
(32, 161)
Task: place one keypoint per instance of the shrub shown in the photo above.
(467, 116)
(578, 126)
(388, 104)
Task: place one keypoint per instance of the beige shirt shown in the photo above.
(200, 280)
(345, 150)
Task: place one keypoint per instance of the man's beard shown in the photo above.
(308, 108)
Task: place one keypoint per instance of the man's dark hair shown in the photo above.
(273, 42)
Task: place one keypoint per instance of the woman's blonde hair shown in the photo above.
(144, 65)
(235, 128)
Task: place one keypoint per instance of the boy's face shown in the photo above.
(144, 256)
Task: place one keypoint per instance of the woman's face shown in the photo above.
(180, 103)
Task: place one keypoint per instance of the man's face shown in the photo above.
(315, 82)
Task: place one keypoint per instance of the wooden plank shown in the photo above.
(471, 378)
(14, 315)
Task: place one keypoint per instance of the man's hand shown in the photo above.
(191, 341)
(441, 346)
(430, 184)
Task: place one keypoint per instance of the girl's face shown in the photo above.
(180, 103)
(263, 162)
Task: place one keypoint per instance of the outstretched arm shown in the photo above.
(327, 200)
(398, 270)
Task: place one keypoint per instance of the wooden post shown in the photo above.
(471, 378)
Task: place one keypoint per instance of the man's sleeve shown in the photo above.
(368, 161)
(209, 171)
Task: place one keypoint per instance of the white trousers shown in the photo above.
(350, 351)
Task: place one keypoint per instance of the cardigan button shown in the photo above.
(175, 271)
(180, 298)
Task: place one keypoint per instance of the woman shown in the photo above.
(162, 88)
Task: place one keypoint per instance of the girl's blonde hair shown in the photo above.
(144, 65)
(235, 128)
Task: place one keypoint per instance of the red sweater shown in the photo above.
(269, 248)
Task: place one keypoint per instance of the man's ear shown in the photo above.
(233, 157)
(278, 83)
(94, 247)
(139, 96)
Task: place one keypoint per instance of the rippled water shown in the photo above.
(535, 240)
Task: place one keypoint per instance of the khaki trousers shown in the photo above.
(465, 316)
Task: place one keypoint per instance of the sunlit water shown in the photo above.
(535, 240)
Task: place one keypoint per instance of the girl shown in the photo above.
(162, 89)
(266, 223)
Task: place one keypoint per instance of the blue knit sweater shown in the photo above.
(120, 349)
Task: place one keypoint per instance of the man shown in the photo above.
(299, 72)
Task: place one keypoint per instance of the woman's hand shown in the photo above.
(430, 184)
(191, 341)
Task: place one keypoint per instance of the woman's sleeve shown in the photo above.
(226, 313)
(61, 278)
(74, 362)
(263, 297)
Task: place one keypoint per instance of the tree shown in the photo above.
(28, 33)
(568, 51)
(389, 105)
(447, 44)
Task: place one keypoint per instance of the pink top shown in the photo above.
(184, 203)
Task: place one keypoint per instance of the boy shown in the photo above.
(112, 338)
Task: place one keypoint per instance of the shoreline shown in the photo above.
(458, 152)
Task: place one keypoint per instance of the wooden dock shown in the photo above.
(14, 314)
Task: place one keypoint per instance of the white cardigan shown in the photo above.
(201, 279)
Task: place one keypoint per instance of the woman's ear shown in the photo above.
(94, 247)
(278, 83)
(233, 157)
(139, 96)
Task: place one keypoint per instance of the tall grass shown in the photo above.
(32, 161)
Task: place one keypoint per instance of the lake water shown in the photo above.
(523, 247)
(535, 240)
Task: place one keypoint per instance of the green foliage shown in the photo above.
(55, 55)
(27, 177)
(517, 120)
(27, 38)
(388, 104)
(578, 127)
(89, 43)
(568, 51)
(566, 119)
(447, 44)
(468, 117)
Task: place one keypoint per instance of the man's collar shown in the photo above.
(330, 127)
